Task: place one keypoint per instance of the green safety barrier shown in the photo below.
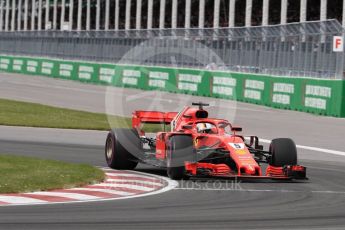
(87, 72)
(6, 64)
(195, 82)
(107, 74)
(131, 77)
(163, 79)
(323, 97)
(18, 65)
(226, 86)
(49, 68)
(67, 70)
(32, 66)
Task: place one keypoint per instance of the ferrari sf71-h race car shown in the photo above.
(200, 146)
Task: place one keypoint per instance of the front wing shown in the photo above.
(223, 171)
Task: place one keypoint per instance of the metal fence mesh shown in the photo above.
(298, 49)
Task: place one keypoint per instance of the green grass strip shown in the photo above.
(26, 174)
(16, 113)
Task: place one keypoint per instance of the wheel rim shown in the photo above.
(109, 149)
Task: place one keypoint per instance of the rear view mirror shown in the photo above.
(236, 129)
(223, 125)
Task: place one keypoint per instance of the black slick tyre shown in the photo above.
(283, 152)
(179, 151)
(121, 147)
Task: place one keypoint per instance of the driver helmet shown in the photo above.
(203, 127)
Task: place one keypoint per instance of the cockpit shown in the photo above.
(206, 127)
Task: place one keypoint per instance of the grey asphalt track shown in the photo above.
(265, 122)
(316, 204)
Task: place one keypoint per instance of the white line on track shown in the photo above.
(329, 151)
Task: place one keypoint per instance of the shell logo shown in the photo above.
(241, 151)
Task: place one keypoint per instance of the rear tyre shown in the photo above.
(283, 152)
(180, 150)
(121, 147)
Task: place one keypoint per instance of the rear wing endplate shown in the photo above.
(151, 117)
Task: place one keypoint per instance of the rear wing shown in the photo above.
(151, 117)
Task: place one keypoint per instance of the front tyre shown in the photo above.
(179, 151)
(283, 152)
(121, 147)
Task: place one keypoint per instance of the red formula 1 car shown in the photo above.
(200, 146)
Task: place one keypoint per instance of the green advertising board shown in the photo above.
(223, 85)
(18, 65)
(323, 97)
(195, 82)
(107, 74)
(5, 64)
